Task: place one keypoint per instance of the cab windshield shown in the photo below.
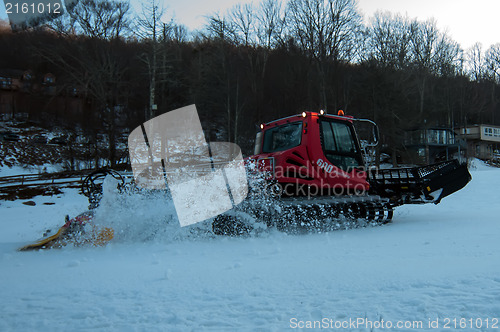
(283, 137)
(339, 145)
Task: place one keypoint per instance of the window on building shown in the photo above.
(488, 131)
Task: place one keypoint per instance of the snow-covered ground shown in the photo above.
(434, 266)
(19, 170)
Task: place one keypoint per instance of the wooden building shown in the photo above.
(483, 141)
(431, 145)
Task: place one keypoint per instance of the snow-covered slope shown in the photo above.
(433, 262)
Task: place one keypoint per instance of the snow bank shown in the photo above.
(478, 165)
(19, 170)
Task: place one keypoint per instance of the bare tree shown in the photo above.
(101, 18)
(493, 62)
(431, 47)
(221, 28)
(64, 25)
(326, 31)
(150, 28)
(242, 18)
(388, 40)
(150, 21)
(448, 57)
(325, 28)
(272, 21)
(476, 62)
(492, 71)
(432, 52)
(424, 39)
(178, 33)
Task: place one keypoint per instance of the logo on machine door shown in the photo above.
(328, 168)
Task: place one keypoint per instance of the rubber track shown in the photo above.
(302, 218)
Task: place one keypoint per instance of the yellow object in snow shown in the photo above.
(79, 231)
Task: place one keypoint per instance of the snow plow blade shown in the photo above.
(418, 185)
(448, 176)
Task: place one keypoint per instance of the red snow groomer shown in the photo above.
(313, 175)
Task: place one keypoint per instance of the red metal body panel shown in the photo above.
(304, 169)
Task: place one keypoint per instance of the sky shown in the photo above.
(466, 21)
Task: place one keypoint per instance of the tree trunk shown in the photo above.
(422, 97)
(228, 104)
(236, 111)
